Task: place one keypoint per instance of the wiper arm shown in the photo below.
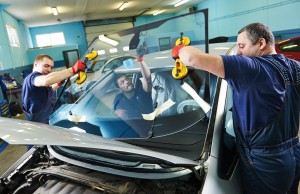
(151, 131)
(152, 116)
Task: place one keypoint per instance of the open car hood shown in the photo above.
(21, 132)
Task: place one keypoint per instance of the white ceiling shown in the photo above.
(38, 12)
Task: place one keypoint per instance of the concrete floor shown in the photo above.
(10, 155)
(13, 152)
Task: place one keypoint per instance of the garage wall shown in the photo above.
(73, 31)
(227, 17)
(10, 56)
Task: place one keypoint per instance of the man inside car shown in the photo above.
(133, 102)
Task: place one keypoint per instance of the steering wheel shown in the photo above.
(181, 105)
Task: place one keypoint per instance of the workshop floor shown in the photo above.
(10, 155)
(13, 152)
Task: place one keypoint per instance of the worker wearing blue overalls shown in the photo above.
(39, 86)
(266, 108)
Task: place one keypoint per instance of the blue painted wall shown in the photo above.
(74, 34)
(56, 52)
(226, 18)
(13, 60)
(149, 19)
(12, 57)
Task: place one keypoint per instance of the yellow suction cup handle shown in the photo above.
(179, 71)
(184, 40)
(81, 77)
(92, 55)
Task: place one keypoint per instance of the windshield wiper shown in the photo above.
(151, 131)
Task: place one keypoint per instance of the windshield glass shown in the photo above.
(122, 100)
(154, 37)
(97, 107)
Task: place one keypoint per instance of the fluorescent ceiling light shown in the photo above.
(113, 50)
(123, 6)
(166, 57)
(180, 3)
(54, 10)
(290, 46)
(126, 48)
(101, 52)
(108, 40)
(221, 48)
(159, 12)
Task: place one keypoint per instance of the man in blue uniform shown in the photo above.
(39, 86)
(266, 108)
(133, 102)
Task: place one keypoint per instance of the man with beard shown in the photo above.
(133, 102)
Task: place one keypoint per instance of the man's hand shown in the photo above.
(189, 55)
(121, 113)
(175, 51)
(140, 52)
(79, 66)
(140, 59)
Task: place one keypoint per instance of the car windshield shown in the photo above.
(96, 107)
(155, 37)
(180, 108)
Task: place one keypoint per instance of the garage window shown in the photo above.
(13, 36)
(51, 39)
(164, 43)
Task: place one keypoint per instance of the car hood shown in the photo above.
(21, 132)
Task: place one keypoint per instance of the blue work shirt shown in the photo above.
(258, 89)
(37, 101)
(140, 103)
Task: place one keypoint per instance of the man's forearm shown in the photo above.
(146, 73)
(52, 78)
